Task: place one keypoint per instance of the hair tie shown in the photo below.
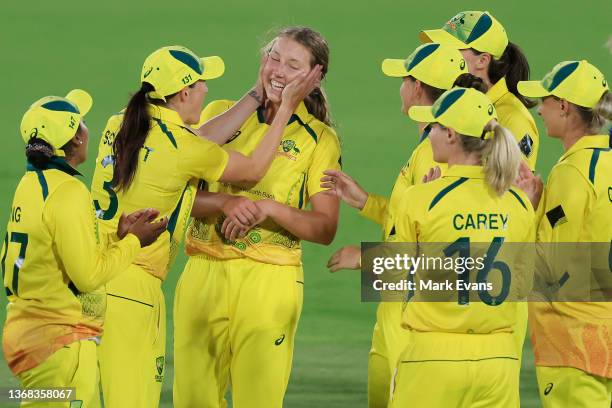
(46, 150)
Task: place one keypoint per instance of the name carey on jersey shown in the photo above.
(480, 221)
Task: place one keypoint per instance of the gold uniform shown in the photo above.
(238, 303)
(469, 349)
(514, 116)
(388, 337)
(573, 340)
(171, 163)
(52, 267)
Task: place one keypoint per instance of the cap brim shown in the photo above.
(394, 68)
(81, 99)
(421, 114)
(441, 37)
(214, 67)
(532, 89)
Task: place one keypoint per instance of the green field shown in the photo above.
(52, 47)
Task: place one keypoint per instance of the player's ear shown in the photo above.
(564, 106)
(452, 137)
(183, 94)
(418, 88)
(483, 60)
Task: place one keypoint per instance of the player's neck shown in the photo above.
(461, 158)
(572, 135)
(72, 161)
(270, 111)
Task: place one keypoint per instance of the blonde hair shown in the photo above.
(500, 155)
(595, 118)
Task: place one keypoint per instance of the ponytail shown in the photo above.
(38, 152)
(502, 159)
(468, 80)
(595, 118)
(317, 105)
(130, 138)
(500, 155)
(512, 65)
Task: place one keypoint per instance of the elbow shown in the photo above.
(326, 237)
(249, 179)
(255, 176)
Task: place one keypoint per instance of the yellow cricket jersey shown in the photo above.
(381, 209)
(460, 209)
(50, 263)
(514, 116)
(308, 148)
(172, 161)
(577, 208)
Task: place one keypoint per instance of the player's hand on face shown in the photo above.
(241, 211)
(432, 174)
(126, 221)
(146, 229)
(295, 91)
(344, 187)
(348, 257)
(531, 184)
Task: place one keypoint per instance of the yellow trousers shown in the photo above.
(132, 350)
(234, 319)
(569, 387)
(389, 340)
(440, 370)
(72, 366)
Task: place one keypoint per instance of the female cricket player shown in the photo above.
(501, 64)
(571, 340)
(239, 299)
(429, 71)
(149, 155)
(51, 262)
(463, 353)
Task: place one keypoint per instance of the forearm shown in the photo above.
(262, 156)
(91, 269)
(222, 127)
(209, 204)
(310, 226)
(375, 208)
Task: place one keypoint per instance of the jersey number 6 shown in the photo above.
(462, 246)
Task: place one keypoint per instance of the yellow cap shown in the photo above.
(578, 82)
(55, 119)
(471, 29)
(170, 69)
(434, 64)
(465, 110)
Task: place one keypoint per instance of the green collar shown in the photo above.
(58, 163)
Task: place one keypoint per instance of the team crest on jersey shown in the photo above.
(289, 149)
(159, 364)
(526, 145)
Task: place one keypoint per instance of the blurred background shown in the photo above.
(52, 47)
